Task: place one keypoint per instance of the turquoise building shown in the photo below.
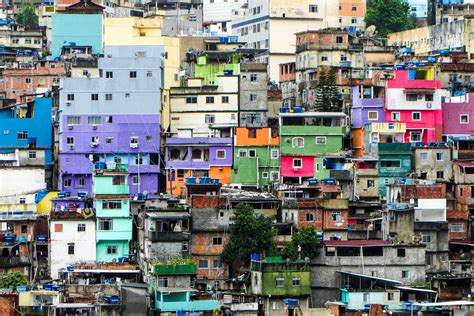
(79, 27)
(112, 204)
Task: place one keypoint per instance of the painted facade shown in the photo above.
(305, 138)
(459, 112)
(256, 157)
(414, 97)
(99, 125)
(197, 157)
(112, 204)
(395, 161)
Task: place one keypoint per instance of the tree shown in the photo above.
(249, 233)
(27, 16)
(389, 16)
(327, 93)
(12, 280)
(304, 244)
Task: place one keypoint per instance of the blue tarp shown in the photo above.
(40, 195)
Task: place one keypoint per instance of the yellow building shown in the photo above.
(141, 31)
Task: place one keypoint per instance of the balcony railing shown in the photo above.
(168, 236)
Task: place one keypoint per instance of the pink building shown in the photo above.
(414, 98)
(297, 166)
(459, 115)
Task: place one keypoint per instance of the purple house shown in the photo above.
(458, 116)
(197, 157)
(366, 110)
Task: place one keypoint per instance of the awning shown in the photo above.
(369, 277)
(413, 289)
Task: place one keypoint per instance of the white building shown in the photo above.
(72, 240)
(272, 24)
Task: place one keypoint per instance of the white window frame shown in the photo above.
(254, 151)
(274, 178)
(395, 116)
(81, 228)
(321, 137)
(221, 151)
(136, 180)
(301, 163)
(424, 156)
(461, 230)
(297, 145)
(264, 175)
(274, 154)
(242, 153)
(463, 115)
(414, 133)
(413, 116)
(279, 282)
(442, 156)
(376, 115)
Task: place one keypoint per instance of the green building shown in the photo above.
(395, 162)
(112, 203)
(279, 282)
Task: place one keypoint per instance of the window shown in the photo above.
(32, 155)
(191, 100)
(274, 154)
(390, 296)
(112, 205)
(313, 8)
(253, 97)
(253, 77)
(85, 72)
(297, 163)
(401, 252)
(217, 264)
(373, 115)
(424, 156)
(67, 183)
(81, 227)
(339, 39)
(220, 154)
(456, 228)
(276, 305)
(70, 97)
(274, 176)
(109, 74)
(252, 153)
(464, 119)
(354, 8)
(209, 119)
(396, 116)
(264, 175)
(343, 57)
(58, 228)
(390, 163)
(439, 156)
(370, 183)
(416, 116)
(162, 282)
(440, 174)
(203, 264)
(112, 250)
(296, 281)
(108, 97)
(354, 20)
(320, 140)
(70, 248)
(149, 74)
(298, 142)
(94, 97)
(70, 140)
(209, 99)
(108, 119)
(81, 182)
(105, 224)
(134, 140)
(242, 153)
(336, 216)
(426, 238)
(22, 200)
(309, 217)
(411, 97)
(133, 74)
(415, 136)
(139, 160)
(365, 297)
(279, 282)
(405, 274)
(28, 80)
(109, 140)
(22, 135)
(94, 120)
(73, 120)
(225, 99)
(217, 241)
(324, 58)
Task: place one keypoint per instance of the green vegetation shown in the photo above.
(327, 99)
(389, 16)
(304, 244)
(27, 16)
(12, 280)
(249, 233)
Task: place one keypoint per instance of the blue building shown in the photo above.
(28, 125)
(78, 29)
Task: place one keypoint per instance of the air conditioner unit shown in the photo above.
(133, 145)
(94, 144)
(94, 127)
(70, 126)
(68, 103)
(71, 147)
(296, 168)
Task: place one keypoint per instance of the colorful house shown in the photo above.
(365, 110)
(256, 157)
(78, 28)
(395, 162)
(414, 98)
(197, 157)
(112, 204)
(377, 133)
(97, 123)
(459, 112)
(305, 139)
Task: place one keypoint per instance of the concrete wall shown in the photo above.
(431, 165)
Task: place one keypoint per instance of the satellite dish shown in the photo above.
(370, 31)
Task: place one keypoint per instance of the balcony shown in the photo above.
(11, 262)
(342, 175)
(166, 236)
